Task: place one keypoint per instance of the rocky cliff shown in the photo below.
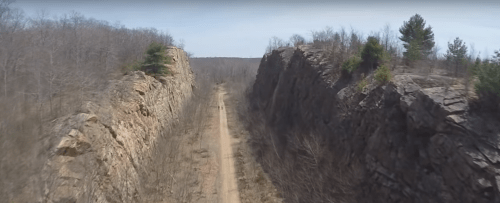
(414, 142)
(102, 150)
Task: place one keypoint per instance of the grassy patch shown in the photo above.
(362, 84)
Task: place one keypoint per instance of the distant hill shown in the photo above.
(224, 61)
(222, 68)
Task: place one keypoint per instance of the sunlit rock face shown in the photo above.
(103, 149)
(415, 143)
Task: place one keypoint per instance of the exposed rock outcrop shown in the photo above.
(102, 150)
(416, 144)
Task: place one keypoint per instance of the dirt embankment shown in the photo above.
(321, 140)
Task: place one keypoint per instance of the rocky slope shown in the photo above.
(414, 142)
(102, 151)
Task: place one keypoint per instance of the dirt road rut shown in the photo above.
(229, 188)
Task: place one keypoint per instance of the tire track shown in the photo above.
(229, 188)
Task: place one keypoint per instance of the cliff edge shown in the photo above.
(102, 151)
(411, 142)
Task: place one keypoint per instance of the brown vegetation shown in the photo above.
(324, 132)
(50, 68)
(237, 75)
(172, 170)
(406, 140)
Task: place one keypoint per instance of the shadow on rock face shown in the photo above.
(414, 143)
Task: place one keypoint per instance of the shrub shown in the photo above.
(352, 63)
(362, 84)
(383, 74)
(488, 83)
(134, 66)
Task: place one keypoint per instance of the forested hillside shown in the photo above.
(52, 66)
(98, 111)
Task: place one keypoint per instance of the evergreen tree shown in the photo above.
(413, 52)
(456, 54)
(488, 83)
(476, 66)
(156, 59)
(496, 57)
(416, 38)
(372, 52)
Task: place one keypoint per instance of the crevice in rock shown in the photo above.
(110, 129)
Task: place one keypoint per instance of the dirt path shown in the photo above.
(227, 171)
(229, 188)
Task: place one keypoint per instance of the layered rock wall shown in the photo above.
(414, 144)
(102, 150)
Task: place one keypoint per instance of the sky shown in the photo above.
(242, 28)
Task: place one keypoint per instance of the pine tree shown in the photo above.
(456, 54)
(413, 52)
(372, 52)
(476, 66)
(488, 82)
(416, 37)
(156, 59)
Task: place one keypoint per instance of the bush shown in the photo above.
(134, 66)
(488, 83)
(351, 64)
(383, 74)
(362, 84)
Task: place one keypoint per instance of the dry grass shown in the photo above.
(253, 183)
(307, 167)
(172, 173)
(238, 75)
(182, 153)
(304, 166)
(50, 68)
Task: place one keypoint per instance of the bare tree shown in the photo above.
(387, 36)
(50, 67)
(276, 43)
(297, 40)
(4, 7)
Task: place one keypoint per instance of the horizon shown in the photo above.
(242, 29)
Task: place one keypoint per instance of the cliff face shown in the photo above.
(102, 150)
(414, 142)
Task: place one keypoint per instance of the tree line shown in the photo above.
(51, 66)
(43, 57)
(413, 49)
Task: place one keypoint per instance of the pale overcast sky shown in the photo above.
(243, 28)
